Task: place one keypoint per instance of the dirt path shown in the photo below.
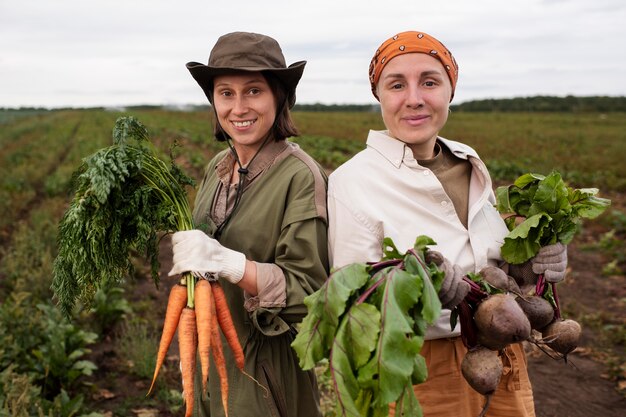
(582, 388)
(576, 389)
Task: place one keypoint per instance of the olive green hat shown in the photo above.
(245, 51)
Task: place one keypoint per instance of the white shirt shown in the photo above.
(383, 192)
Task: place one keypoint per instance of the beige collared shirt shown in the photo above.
(384, 192)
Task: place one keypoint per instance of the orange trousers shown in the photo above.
(446, 393)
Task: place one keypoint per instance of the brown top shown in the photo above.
(454, 174)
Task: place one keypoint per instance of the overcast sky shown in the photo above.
(83, 53)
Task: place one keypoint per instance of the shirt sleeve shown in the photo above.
(300, 268)
(352, 237)
(271, 288)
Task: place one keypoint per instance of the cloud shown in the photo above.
(76, 53)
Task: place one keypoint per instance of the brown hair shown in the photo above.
(283, 126)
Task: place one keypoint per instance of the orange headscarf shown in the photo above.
(412, 42)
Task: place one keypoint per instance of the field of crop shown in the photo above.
(101, 363)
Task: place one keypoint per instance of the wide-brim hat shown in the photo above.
(245, 51)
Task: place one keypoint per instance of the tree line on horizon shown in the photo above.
(569, 104)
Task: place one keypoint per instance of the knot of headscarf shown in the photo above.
(407, 43)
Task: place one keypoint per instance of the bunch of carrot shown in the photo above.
(198, 309)
(125, 197)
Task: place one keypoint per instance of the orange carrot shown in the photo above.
(226, 323)
(203, 306)
(187, 342)
(175, 304)
(218, 353)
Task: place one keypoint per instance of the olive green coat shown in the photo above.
(280, 219)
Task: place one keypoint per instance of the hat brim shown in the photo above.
(204, 75)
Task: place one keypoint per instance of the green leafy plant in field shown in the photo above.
(329, 152)
(18, 341)
(172, 398)
(109, 307)
(19, 396)
(125, 195)
(613, 243)
(504, 170)
(65, 406)
(369, 322)
(551, 213)
(328, 400)
(42, 357)
(59, 359)
(27, 261)
(138, 344)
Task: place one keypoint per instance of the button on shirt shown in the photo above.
(384, 192)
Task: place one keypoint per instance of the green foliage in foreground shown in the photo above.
(125, 195)
(42, 358)
(369, 322)
(551, 210)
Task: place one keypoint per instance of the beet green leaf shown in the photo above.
(325, 306)
(551, 212)
(369, 320)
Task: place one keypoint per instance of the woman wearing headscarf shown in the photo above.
(410, 181)
(262, 209)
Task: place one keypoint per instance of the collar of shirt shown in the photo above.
(260, 163)
(396, 151)
(393, 150)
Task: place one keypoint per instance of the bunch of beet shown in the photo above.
(495, 314)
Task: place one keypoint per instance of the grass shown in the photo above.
(586, 148)
(138, 344)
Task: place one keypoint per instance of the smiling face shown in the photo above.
(246, 108)
(414, 92)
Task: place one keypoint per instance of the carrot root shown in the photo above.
(218, 353)
(204, 308)
(187, 341)
(175, 305)
(226, 323)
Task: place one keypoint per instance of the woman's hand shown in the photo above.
(454, 288)
(551, 261)
(194, 251)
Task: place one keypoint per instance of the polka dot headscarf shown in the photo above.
(412, 42)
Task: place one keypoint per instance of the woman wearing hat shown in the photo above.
(409, 181)
(262, 207)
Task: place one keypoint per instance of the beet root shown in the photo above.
(495, 277)
(513, 286)
(482, 369)
(562, 335)
(500, 321)
(539, 311)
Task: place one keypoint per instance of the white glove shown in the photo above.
(453, 289)
(551, 261)
(196, 252)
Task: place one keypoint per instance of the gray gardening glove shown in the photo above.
(551, 261)
(454, 288)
